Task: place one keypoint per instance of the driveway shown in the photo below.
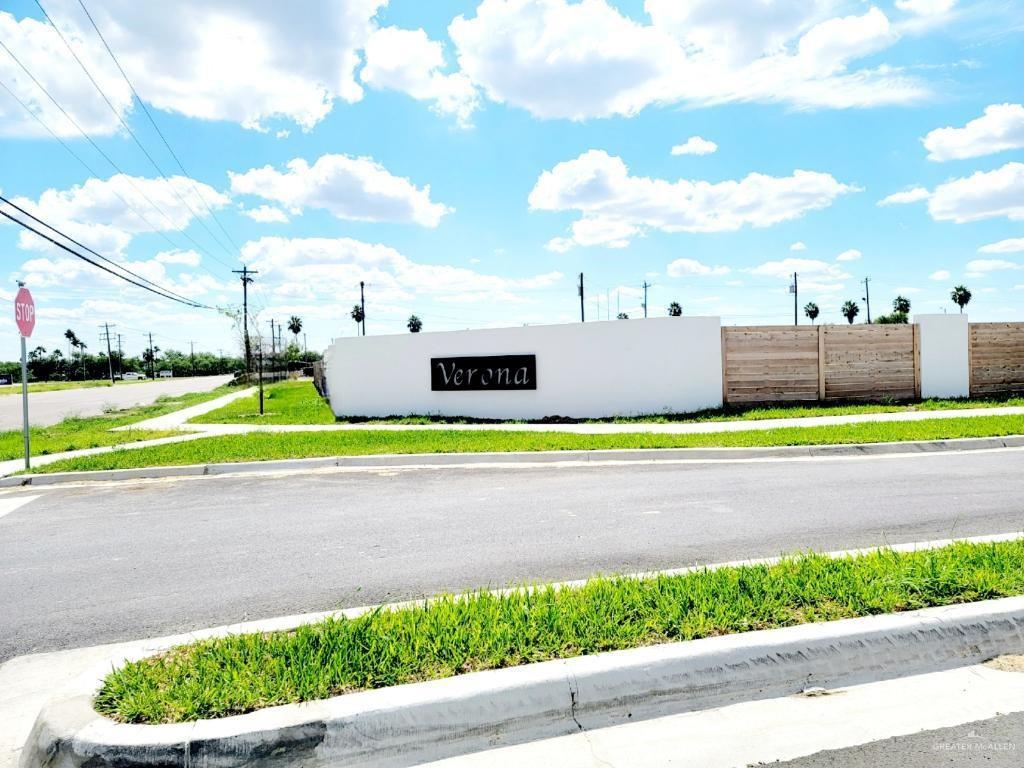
(45, 408)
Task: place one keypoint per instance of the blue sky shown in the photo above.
(469, 159)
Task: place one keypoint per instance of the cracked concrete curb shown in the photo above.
(462, 460)
(409, 724)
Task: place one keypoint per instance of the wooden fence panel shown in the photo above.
(869, 362)
(997, 358)
(764, 364)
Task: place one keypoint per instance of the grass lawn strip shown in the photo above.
(54, 386)
(297, 402)
(76, 433)
(266, 446)
(453, 635)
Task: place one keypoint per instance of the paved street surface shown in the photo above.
(50, 407)
(82, 565)
(994, 743)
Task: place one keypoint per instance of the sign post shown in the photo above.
(25, 317)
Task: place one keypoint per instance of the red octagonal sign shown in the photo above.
(24, 312)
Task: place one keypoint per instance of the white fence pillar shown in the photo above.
(945, 355)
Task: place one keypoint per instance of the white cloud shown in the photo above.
(407, 60)
(599, 185)
(579, 60)
(784, 268)
(687, 267)
(354, 188)
(39, 47)
(184, 258)
(266, 214)
(999, 129)
(983, 195)
(106, 214)
(942, 274)
(212, 59)
(979, 267)
(926, 7)
(851, 255)
(695, 145)
(913, 195)
(1011, 245)
(333, 267)
(798, 246)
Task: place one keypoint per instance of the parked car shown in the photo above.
(165, 374)
(132, 376)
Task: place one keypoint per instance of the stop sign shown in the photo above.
(24, 312)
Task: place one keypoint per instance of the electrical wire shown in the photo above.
(90, 250)
(128, 128)
(156, 127)
(105, 156)
(73, 252)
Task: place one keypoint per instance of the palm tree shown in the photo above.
(81, 355)
(357, 315)
(72, 340)
(622, 316)
(295, 326)
(812, 311)
(960, 296)
(415, 325)
(675, 309)
(901, 304)
(850, 310)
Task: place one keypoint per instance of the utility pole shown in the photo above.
(245, 272)
(273, 349)
(646, 286)
(110, 361)
(152, 360)
(583, 317)
(305, 349)
(867, 297)
(192, 356)
(793, 290)
(362, 305)
(120, 357)
(261, 377)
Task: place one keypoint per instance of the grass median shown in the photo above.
(265, 446)
(451, 635)
(75, 433)
(297, 402)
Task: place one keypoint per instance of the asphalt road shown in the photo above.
(47, 408)
(995, 743)
(92, 564)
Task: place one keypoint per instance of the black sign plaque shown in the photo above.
(498, 372)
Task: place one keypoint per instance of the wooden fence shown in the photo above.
(770, 364)
(997, 358)
(764, 364)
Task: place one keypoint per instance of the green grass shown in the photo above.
(297, 402)
(94, 431)
(262, 446)
(288, 402)
(451, 635)
(53, 386)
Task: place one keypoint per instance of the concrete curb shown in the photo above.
(409, 724)
(456, 460)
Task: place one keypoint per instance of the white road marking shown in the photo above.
(651, 512)
(12, 504)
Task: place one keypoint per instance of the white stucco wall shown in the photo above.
(619, 367)
(945, 360)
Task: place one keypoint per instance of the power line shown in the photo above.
(156, 127)
(125, 125)
(90, 250)
(105, 156)
(73, 252)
